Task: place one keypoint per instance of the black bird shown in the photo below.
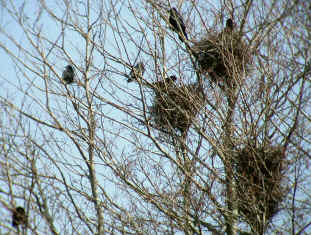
(229, 24)
(137, 71)
(19, 216)
(68, 74)
(177, 23)
(172, 78)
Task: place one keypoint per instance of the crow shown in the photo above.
(137, 71)
(68, 74)
(19, 216)
(229, 24)
(172, 78)
(177, 23)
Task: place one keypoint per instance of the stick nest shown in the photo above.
(175, 108)
(224, 56)
(259, 190)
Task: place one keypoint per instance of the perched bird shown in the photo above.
(229, 24)
(226, 34)
(171, 79)
(19, 216)
(68, 74)
(177, 23)
(137, 71)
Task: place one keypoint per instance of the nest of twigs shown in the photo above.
(259, 190)
(223, 56)
(175, 108)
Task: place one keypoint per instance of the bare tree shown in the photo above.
(212, 137)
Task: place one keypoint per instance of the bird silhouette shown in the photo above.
(137, 71)
(68, 74)
(172, 78)
(229, 24)
(177, 23)
(19, 216)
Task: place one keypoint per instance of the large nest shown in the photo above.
(259, 190)
(175, 108)
(224, 56)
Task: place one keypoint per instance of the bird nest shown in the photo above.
(259, 190)
(175, 108)
(223, 56)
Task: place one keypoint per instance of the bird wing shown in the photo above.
(179, 20)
